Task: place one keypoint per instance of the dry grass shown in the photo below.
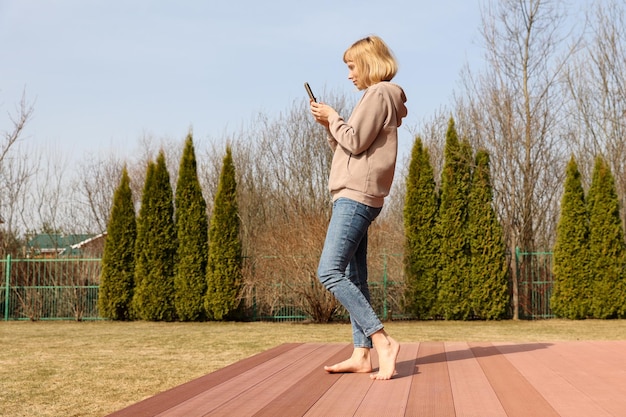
(94, 368)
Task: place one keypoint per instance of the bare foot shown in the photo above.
(388, 350)
(360, 361)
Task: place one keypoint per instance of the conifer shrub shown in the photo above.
(606, 244)
(118, 261)
(572, 291)
(224, 267)
(488, 278)
(155, 249)
(454, 290)
(421, 249)
(192, 234)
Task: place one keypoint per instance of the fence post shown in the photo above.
(7, 292)
(515, 283)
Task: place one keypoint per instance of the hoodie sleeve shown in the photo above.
(365, 124)
(331, 141)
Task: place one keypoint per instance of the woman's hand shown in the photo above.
(321, 112)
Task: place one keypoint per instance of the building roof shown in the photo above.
(61, 244)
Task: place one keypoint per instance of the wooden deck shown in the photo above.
(439, 379)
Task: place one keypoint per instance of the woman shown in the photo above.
(365, 149)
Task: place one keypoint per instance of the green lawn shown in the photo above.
(94, 368)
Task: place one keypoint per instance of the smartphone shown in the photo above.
(307, 87)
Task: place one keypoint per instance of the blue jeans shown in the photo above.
(343, 266)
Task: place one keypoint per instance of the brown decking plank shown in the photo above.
(390, 398)
(168, 399)
(545, 374)
(592, 354)
(592, 370)
(209, 400)
(431, 391)
(256, 398)
(518, 397)
(343, 398)
(472, 393)
(598, 354)
(296, 401)
(569, 379)
(613, 347)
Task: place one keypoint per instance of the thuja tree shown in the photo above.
(118, 261)
(192, 233)
(488, 277)
(155, 249)
(421, 246)
(141, 255)
(606, 244)
(454, 285)
(571, 297)
(224, 275)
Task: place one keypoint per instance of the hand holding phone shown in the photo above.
(307, 87)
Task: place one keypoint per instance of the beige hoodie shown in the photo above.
(367, 145)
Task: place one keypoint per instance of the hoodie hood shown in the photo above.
(399, 99)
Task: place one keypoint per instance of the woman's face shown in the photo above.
(354, 76)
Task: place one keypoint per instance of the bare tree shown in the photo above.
(24, 114)
(95, 185)
(282, 170)
(597, 84)
(17, 174)
(51, 197)
(514, 109)
(16, 171)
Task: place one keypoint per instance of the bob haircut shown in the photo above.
(373, 59)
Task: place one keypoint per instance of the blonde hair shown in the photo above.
(373, 59)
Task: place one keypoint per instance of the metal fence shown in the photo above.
(536, 281)
(48, 289)
(67, 289)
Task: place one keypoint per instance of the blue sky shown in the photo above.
(103, 73)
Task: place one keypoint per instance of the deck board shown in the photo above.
(440, 379)
(600, 377)
(518, 397)
(431, 391)
(390, 399)
(296, 401)
(546, 371)
(344, 398)
(475, 399)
